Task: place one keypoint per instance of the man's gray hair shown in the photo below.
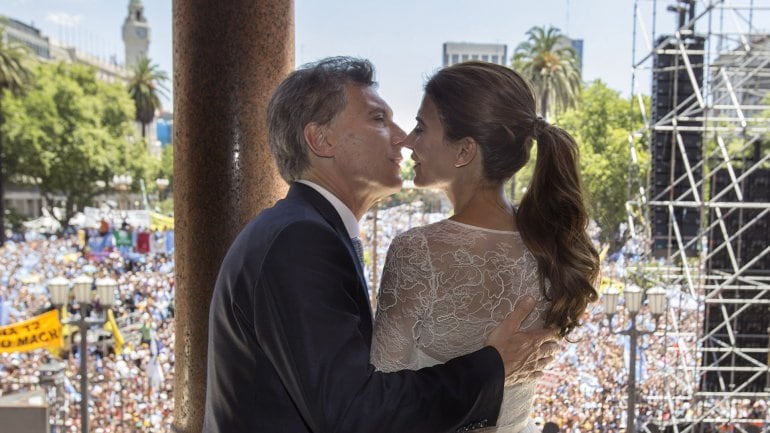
(313, 93)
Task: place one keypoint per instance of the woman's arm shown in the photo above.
(405, 293)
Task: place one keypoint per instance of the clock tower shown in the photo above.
(136, 34)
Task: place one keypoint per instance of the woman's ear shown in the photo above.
(467, 148)
(317, 142)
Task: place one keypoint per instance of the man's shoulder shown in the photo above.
(259, 238)
(286, 214)
(283, 214)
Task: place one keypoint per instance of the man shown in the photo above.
(290, 325)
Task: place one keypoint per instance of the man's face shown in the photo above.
(368, 142)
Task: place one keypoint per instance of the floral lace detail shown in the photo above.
(444, 287)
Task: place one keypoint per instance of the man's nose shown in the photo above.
(398, 136)
(408, 142)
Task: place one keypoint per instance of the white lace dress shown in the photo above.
(445, 286)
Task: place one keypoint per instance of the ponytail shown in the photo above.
(553, 220)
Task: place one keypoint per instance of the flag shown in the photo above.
(4, 313)
(66, 332)
(42, 331)
(66, 329)
(154, 371)
(112, 326)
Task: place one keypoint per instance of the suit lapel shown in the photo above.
(298, 191)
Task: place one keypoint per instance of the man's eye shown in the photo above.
(418, 129)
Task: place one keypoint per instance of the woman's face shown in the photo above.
(433, 154)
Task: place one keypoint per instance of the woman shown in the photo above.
(446, 285)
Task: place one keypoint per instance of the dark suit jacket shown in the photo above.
(290, 331)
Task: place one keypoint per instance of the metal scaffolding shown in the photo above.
(704, 215)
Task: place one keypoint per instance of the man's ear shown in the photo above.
(467, 148)
(315, 136)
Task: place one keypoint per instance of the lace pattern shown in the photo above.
(444, 287)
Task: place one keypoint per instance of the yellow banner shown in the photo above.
(43, 331)
(158, 221)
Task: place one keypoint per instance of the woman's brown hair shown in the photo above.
(496, 107)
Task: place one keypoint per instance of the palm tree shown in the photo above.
(552, 67)
(14, 76)
(146, 86)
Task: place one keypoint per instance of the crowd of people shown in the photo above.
(584, 390)
(129, 388)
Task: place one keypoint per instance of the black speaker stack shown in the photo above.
(750, 234)
(673, 94)
(748, 228)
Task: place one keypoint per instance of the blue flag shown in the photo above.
(4, 319)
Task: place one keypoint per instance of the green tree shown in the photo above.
(69, 134)
(166, 171)
(407, 194)
(146, 86)
(552, 68)
(602, 126)
(14, 76)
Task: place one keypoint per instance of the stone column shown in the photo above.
(228, 58)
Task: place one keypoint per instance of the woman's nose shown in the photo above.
(408, 142)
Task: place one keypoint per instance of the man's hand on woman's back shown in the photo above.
(525, 353)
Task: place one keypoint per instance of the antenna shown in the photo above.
(566, 30)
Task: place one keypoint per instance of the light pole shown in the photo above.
(373, 295)
(122, 183)
(105, 294)
(162, 184)
(632, 296)
(51, 379)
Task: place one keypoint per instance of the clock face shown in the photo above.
(141, 32)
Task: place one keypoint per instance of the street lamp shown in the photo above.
(59, 290)
(122, 183)
(162, 184)
(105, 291)
(632, 296)
(105, 294)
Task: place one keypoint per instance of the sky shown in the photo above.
(403, 38)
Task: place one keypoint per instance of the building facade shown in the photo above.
(577, 45)
(456, 52)
(17, 32)
(26, 200)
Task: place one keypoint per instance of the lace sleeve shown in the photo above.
(405, 289)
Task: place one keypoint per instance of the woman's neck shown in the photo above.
(486, 207)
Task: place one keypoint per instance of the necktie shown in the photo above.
(359, 247)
